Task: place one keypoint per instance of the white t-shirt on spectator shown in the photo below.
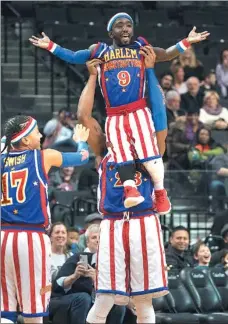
(209, 119)
(57, 260)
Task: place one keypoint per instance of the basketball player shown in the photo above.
(129, 124)
(25, 248)
(131, 258)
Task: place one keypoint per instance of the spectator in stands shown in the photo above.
(178, 75)
(222, 73)
(220, 220)
(209, 83)
(212, 113)
(193, 99)
(173, 110)
(192, 67)
(91, 219)
(72, 292)
(181, 136)
(166, 82)
(63, 179)
(202, 255)
(56, 131)
(203, 152)
(177, 255)
(224, 261)
(216, 256)
(205, 147)
(73, 239)
(92, 238)
(219, 184)
(60, 253)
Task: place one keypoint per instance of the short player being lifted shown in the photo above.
(129, 124)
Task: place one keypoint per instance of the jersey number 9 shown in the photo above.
(124, 78)
(16, 179)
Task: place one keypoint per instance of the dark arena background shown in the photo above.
(36, 83)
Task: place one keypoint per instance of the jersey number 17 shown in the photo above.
(14, 179)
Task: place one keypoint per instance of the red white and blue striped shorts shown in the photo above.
(25, 272)
(131, 257)
(131, 133)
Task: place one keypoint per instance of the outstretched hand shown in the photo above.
(40, 42)
(81, 133)
(194, 37)
(149, 56)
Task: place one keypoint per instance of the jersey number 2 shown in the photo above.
(18, 179)
(124, 78)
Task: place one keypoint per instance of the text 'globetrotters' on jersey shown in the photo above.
(122, 75)
(24, 189)
(111, 191)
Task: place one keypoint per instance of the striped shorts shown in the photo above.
(131, 257)
(25, 273)
(130, 133)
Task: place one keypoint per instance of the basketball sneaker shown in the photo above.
(162, 203)
(132, 197)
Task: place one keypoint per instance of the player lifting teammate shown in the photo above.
(129, 125)
(25, 248)
(131, 258)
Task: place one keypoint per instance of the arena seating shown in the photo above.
(194, 297)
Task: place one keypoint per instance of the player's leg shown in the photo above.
(148, 266)
(33, 272)
(111, 271)
(8, 284)
(147, 263)
(148, 152)
(144, 309)
(101, 308)
(118, 143)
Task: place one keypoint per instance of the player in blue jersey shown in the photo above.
(129, 124)
(131, 258)
(25, 248)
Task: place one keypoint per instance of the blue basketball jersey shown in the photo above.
(122, 75)
(24, 189)
(111, 190)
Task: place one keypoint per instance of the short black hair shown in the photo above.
(179, 228)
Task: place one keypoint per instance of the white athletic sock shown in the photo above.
(156, 171)
(130, 183)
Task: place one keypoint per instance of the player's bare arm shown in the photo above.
(170, 53)
(149, 61)
(58, 159)
(96, 138)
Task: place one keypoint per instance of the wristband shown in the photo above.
(51, 46)
(183, 45)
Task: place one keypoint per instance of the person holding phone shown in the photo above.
(72, 292)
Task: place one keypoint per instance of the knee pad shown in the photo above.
(101, 308)
(144, 309)
(121, 300)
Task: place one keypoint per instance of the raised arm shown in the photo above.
(156, 97)
(96, 138)
(170, 53)
(78, 57)
(58, 159)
